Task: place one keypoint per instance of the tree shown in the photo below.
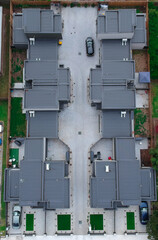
(153, 43)
(154, 159)
(152, 226)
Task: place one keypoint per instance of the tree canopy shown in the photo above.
(152, 226)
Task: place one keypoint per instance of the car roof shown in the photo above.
(16, 219)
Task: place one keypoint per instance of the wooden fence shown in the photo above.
(10, 73)
(150, 95)
(123, 3)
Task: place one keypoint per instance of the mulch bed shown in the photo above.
(141, 60)
(145, 158)
(18, 57)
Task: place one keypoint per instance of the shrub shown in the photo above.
(64, 4)
(153, 43)
(154, 159)
(152, 226)
(72, 5)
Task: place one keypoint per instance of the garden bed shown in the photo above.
(141, 122)
(145, 158)
(18, 119)
(18, 57)
(139, 9)
(141, 60)
(17, 8)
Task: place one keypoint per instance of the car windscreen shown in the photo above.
(17, 213)
(16, 224)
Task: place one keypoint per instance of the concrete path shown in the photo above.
(88, 237)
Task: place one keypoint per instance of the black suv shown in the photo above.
(89, 46)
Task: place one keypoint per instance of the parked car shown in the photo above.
(16, 219)
(0, 141)
(143, 213)
(1, 127)
(18, 143)
(90, 46)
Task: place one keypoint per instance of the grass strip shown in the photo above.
(96, 221)
(130, 220)
(14, 153)
(3, 117)
(18, 119)
(64, 222)
(29, 222)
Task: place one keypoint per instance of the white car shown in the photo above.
(1, 127)
(16, 219)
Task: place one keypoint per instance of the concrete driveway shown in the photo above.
(78, 124)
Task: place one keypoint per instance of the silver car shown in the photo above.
(16, 219)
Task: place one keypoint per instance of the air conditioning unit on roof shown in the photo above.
(123, 114)
(107, 169)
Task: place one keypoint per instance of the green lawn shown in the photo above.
(64, 222)
(4, 79)
(153, 40)
(29, 222)
(96, 221)
(154, 87)
(3, 117)
(18, 119)
(130, 220)
(14, 153)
